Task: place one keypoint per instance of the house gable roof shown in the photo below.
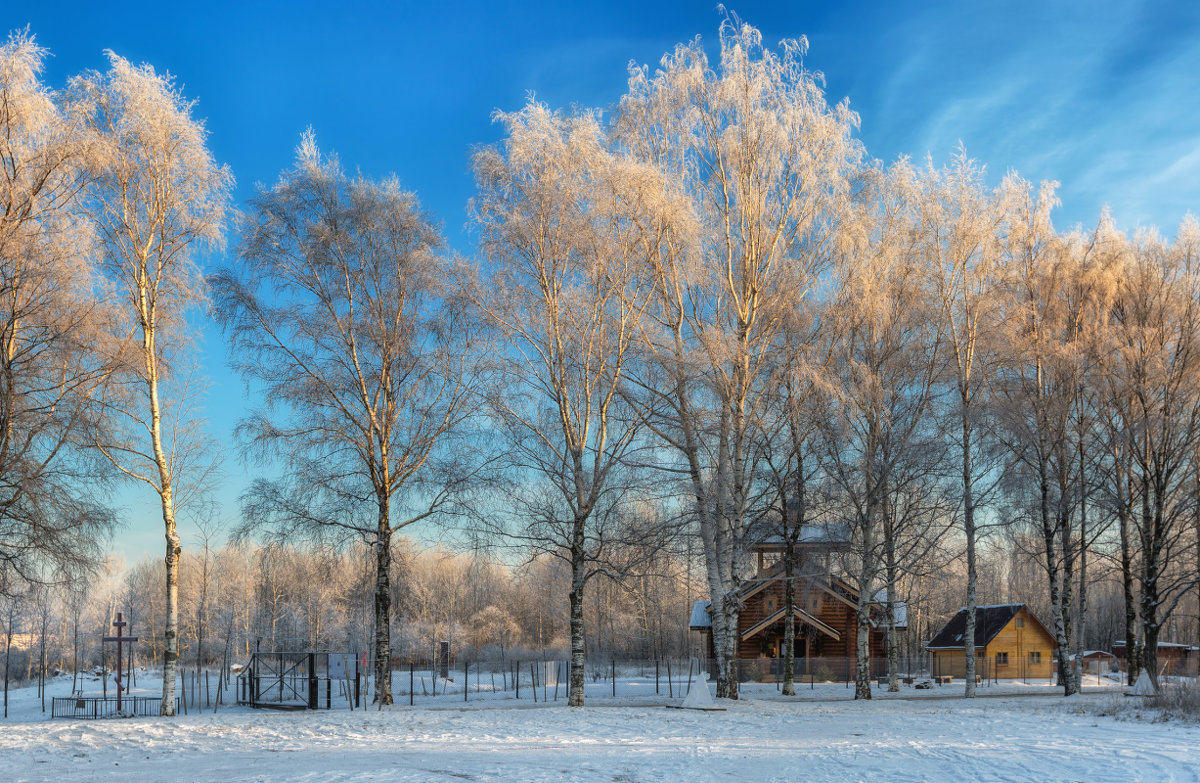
(989, 621)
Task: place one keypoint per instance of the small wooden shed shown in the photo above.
(1173, 658)
(1010, 643)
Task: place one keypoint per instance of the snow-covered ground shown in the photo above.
(1022, 733)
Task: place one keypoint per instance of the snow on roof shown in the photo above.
(832, 533)
(1089, 653)
(899, 607)
(700, 617)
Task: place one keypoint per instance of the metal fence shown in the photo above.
(96, 707)
(539, 680)
(547, 680)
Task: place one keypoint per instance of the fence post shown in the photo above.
(411, 682)
(466, 679)
(614, 676)
(312, 681)
(655, 676)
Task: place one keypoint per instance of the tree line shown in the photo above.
(701, 316)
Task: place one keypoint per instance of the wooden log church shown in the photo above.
(825, 608)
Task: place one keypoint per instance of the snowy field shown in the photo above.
(1015, 733)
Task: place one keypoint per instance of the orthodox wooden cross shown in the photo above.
(120, 679)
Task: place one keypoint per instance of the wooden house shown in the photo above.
(825, 611)
(1010, 643)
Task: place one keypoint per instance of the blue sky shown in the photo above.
(1103, 97)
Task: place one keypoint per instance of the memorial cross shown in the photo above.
(119, 638)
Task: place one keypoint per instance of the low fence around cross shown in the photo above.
(97, 707)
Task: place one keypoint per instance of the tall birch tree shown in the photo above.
(963, 226)
(1154, 352)
(766, 167)
(52, 317)
(157, 198)
(884, 337)
(554, 210)
(1035, 393)
(348, 317)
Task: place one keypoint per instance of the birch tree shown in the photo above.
(1098, 260)
(1117, 489)
(964, 226)
(345, 313)
(554, 209)
(52, 317)
(885, 340)
(1035, 392)
(759, 169)
(157, 198)
(793, 455)
(1155, 358)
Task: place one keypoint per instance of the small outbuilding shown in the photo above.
(1098, 660)
(1010, 643)
(1173, 658)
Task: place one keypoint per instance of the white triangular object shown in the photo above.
(698, 697)
(1144, 685)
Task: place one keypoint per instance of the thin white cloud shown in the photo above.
(1103, 102)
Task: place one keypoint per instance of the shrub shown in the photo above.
(1180, 701)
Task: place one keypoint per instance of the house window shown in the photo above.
(1002, 659)
(1035, 657)
(1020, 622)
(770, 604)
